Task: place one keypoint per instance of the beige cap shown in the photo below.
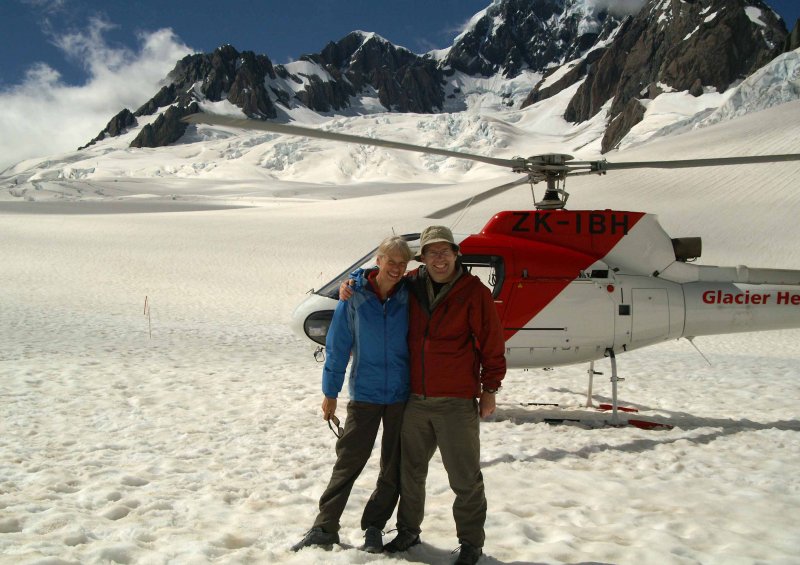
(435, 234)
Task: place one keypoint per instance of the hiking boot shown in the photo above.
(468, 555)
(317, 536)
(373, 540)
(402, 542)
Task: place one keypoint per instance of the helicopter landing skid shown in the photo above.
(588, 419)
(614, 380)
(614, 406)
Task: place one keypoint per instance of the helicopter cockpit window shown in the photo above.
(331, 289)
(488, 268)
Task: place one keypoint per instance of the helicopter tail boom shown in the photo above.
(733, 308)
(682, 272)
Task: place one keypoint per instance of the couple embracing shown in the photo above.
(428, 357)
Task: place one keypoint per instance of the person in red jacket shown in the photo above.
(457, 353)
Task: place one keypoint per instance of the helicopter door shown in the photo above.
(490, 269)
(560, 322)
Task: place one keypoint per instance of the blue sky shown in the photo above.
(34, 31)
(68, 66)
(283, 29)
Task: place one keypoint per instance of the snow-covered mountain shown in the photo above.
(562, 75)
(515, 35)
(667, 45)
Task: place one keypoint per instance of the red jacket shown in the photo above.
(457, 346)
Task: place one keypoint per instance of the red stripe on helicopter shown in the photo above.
(543, 252)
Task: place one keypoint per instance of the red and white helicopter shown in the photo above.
(575, 286)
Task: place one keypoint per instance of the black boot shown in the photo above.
(316, 536)
(402, 542)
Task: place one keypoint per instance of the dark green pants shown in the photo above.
(452, 425)
(352, 453)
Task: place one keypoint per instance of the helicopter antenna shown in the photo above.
(461, 215)
(691, 340)
(533, 192)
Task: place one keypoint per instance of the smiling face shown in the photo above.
(440, 260)
(391, 268)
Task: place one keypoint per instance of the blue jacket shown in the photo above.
(376, 335)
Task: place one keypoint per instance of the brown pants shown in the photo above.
(352, 453)
(451, 424)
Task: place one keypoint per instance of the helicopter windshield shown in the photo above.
(331, 289)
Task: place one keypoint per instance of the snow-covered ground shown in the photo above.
(193, 435)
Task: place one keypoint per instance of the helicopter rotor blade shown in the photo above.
(215, 119)
(539, 164)
(549, 167)
(480, 197)
(687, 163)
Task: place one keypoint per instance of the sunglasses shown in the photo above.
(334, 421)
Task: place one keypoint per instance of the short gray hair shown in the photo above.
(394, 244)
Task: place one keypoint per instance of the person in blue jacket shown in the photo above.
(372, 327)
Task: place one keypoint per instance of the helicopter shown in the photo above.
(578, 286)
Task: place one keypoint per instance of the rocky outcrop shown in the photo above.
(167, 128)
(225, 74)
(166, 96)
(248, 90)
(118, 125)
(793, 39)
(326, 95)
(405, 82)
(622, 123)
(518, 34)
(575, 71)
(687, 46)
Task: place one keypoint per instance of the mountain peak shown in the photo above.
(367, 36)
(510, 36)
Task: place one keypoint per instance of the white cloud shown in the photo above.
(43, 115)
(621, 7)
(46, 5)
